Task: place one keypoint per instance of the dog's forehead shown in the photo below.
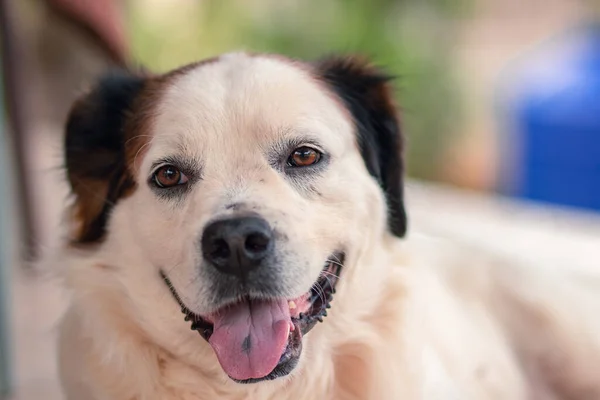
(252, 97)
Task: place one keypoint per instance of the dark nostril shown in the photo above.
(257, 243)
(220, 249)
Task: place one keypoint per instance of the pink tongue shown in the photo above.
(250, 337)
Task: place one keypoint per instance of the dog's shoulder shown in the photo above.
(456, 344)
(499, 322)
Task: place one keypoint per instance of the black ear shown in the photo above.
(367, 94)
(95, 155)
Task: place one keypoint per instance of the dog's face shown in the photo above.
(251, 184)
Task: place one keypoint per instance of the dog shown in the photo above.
(238, 231)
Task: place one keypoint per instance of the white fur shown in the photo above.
(411, 320)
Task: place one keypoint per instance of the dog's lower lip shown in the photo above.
(319, 298)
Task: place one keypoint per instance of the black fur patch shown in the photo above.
(95, 151)
(366, 93)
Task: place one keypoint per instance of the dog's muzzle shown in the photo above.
(259, 339)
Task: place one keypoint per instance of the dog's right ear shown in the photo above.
(95, 155)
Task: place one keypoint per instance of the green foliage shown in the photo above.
(408, 37)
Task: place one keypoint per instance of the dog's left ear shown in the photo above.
(367, 94)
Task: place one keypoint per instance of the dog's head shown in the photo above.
(249, 185)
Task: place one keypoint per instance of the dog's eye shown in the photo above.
(169, 176)
(303, 157)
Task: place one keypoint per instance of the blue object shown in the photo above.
(554, 114)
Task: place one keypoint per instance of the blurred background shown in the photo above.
(500, 101)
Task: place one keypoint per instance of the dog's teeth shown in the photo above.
(292, 304)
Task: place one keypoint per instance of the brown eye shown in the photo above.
(304, 157)
(169, 176)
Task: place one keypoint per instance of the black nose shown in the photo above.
(237, 245)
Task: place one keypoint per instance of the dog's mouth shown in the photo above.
(261, 339)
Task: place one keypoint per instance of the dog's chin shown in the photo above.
(273, 348)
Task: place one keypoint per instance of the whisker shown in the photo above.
(328, 280)
(173, 268)
(191, 282)
(320, 292)
(136, 137)
(327, 274)
(139, 151)
(337, 259)
(336, 263)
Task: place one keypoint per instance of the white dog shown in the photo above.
(252, 197)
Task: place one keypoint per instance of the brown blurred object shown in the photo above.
(51, 50)
(471, 161)
(101, 20)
